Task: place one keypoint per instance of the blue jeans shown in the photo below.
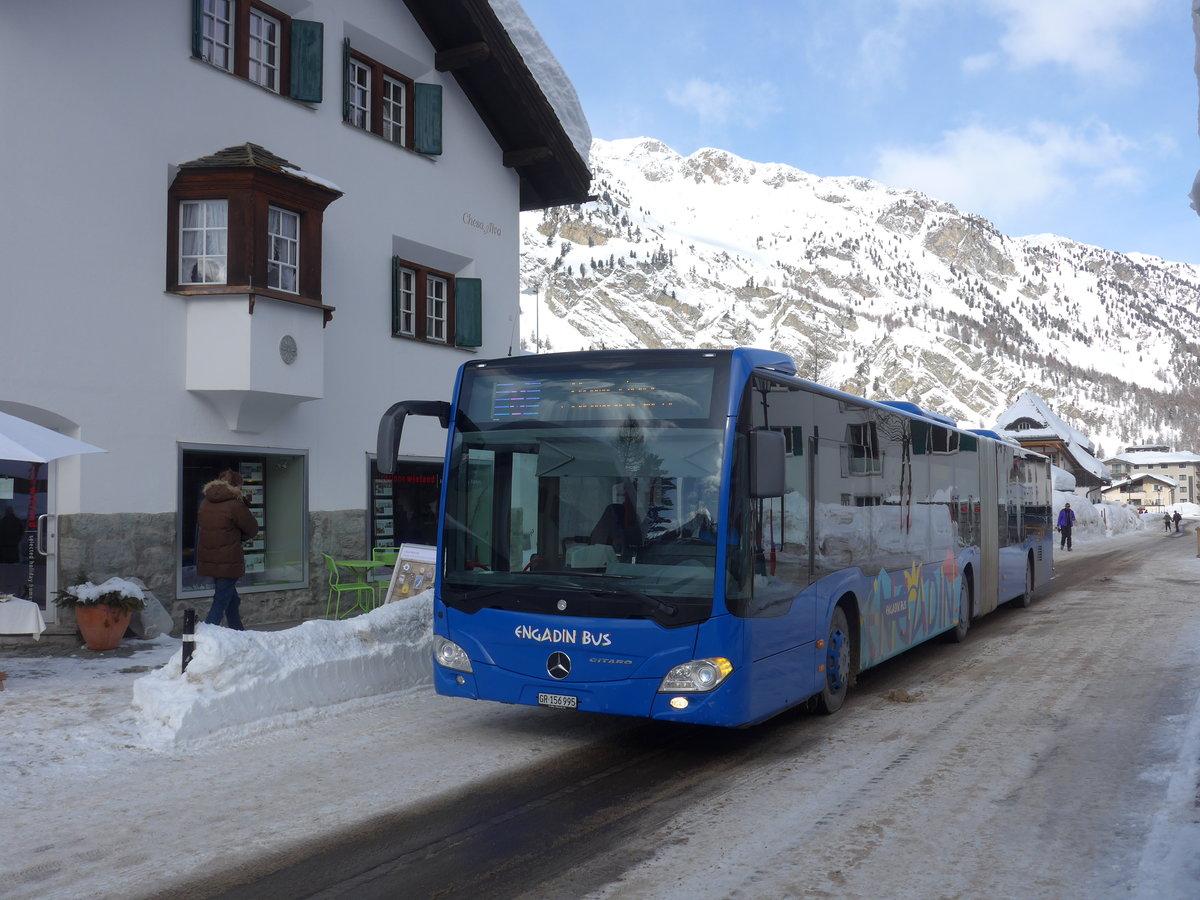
(226, 604)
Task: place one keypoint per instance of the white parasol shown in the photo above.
(24, 441)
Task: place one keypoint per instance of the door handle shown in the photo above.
(43, 523)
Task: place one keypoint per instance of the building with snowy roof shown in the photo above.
(292, 215)
(1155, 476)
(1032, 423)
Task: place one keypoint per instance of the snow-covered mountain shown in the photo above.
(882, 292)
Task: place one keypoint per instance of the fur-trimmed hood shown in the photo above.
(218, 491)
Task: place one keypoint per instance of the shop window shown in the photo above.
(260, 44)
(404, 505)
(276, 493)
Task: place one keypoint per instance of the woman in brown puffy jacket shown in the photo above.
(225, 522)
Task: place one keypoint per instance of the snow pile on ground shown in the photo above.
(242, 682)
(1103, 519)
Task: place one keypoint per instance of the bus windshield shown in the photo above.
(602, 486)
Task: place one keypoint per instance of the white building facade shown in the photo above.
(277, 221)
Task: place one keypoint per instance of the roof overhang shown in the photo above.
(470, 43)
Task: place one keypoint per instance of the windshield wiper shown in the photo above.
(622, 591)
(470, 595)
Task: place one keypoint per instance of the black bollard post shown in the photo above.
(189, 637)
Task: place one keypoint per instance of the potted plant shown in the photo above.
(103, 611)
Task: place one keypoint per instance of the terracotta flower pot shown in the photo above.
(102, 626)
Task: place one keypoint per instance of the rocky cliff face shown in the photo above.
(881, 292)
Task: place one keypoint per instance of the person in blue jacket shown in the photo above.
(1066, 521)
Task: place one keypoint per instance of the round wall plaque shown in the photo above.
(287, 349)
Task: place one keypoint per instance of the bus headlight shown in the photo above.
(697, 676)
(449, 655)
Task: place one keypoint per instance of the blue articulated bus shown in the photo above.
(701, 536)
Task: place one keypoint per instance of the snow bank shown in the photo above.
(241, 682)
(1100, 519)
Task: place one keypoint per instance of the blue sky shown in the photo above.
(1077, 117)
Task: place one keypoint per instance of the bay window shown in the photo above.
(246, 221)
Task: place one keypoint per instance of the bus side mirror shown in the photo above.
(391, 426)
(767, 452)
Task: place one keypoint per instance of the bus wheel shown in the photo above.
(837, 664)
(1025, 600)
(958, 633)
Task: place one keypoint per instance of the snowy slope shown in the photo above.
(882, 292)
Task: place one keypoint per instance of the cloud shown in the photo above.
(1083, 35)
(1003, 174)
(980, 63)
(726, 104)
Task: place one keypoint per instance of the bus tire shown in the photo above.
(837, 664)
(1025, 600)
(958, 633)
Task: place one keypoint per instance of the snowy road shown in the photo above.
(1056, 754)
(1029, 762)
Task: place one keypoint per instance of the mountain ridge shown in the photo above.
(878, 291)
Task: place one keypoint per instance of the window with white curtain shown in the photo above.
(264, 50)
(203, 238)
(283, 250)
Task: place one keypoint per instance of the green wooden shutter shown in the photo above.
(468, 312)
(308, 58)
(427, 128)
(347, 80)
(395, 295)
(197, 28)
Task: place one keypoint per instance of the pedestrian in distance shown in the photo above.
(1166, 521)
(225, 522)
(1066, 521)
(1177, 518)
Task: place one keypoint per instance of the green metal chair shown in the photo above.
(337, 587)
(385, 556)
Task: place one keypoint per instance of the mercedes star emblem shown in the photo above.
(562, 605)
(558, 665)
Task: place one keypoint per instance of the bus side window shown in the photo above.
(784, 521)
